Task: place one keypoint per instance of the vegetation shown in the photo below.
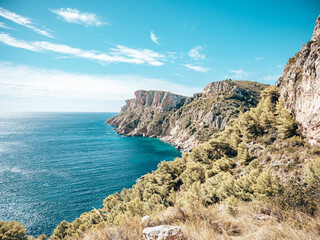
(237, 164)
(12, 230)
(16, 231)
(239, 220)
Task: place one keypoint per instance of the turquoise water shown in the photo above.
(55, 166)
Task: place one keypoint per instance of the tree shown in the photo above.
(12, 231)
(41, 237)
(243, 154)
(61, 231)
(313, 176)
(267, 185)
(286, 124)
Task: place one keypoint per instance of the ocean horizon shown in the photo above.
(57, 165)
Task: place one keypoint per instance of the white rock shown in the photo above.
(299, 86)
(146, 220)
(163, 232)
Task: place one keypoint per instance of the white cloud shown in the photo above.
(270, 78)
(154, 38)
(121, 53)
(178, 75)
(75, 16)
(259, 58)
(196, 68)
(3, 25)
(28, 88)
(279, 66)
(195, 53)
(238, 74)
(139, 55)
(7, 39)
(23, 21)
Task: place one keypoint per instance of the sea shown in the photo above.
(55, 166)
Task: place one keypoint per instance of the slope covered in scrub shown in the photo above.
(260, 156)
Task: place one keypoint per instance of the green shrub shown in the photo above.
(12, 231)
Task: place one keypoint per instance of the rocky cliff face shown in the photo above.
(186, 121)
(158, 101)
(300, 86)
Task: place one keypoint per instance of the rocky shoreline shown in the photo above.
(186, 121)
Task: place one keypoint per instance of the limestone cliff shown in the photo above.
(186, 121)
(300, 86)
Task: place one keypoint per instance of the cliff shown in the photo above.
(299, 86)
(186, 121)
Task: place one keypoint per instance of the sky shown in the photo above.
(89, 56)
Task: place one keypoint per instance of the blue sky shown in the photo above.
(76, 55)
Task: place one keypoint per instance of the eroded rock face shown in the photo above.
(159, 101)
(186, 121)
(300, 86)
(163, 232)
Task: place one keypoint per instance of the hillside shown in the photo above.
(259, 157)
(186, 121)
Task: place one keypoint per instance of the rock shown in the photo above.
(145, 221)
(299, 86)
(277, 163)
(163, 232)
(261, 217)
(186, 121)
(159, 101)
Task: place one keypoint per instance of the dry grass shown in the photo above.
(250, 220)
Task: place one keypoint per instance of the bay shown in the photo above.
(55, 166)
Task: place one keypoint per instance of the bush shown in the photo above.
(12, 231)
(297, 195)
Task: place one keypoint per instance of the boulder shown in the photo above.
(163, 232)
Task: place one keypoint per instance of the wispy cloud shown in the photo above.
(196, 54)
(270, 78)
(237, 74)
(119, 54)
(259, 58)
(46, 89)
(279, 66)
(178, 74)
(3, 25)
(154, 38)
(139, 55)
(172, 55)
(7, 39)
(75, 16)
(23, 21)
(196, 68)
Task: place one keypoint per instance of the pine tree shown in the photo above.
(285, 124)
(267, 185)
(12, 231)
(313, 175)
(243, 154)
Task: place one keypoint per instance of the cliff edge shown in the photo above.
(299, 86)
(186, 121)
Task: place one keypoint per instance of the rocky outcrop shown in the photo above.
(159, 101)
(186, 121)
(163, 232)
(299, 86)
